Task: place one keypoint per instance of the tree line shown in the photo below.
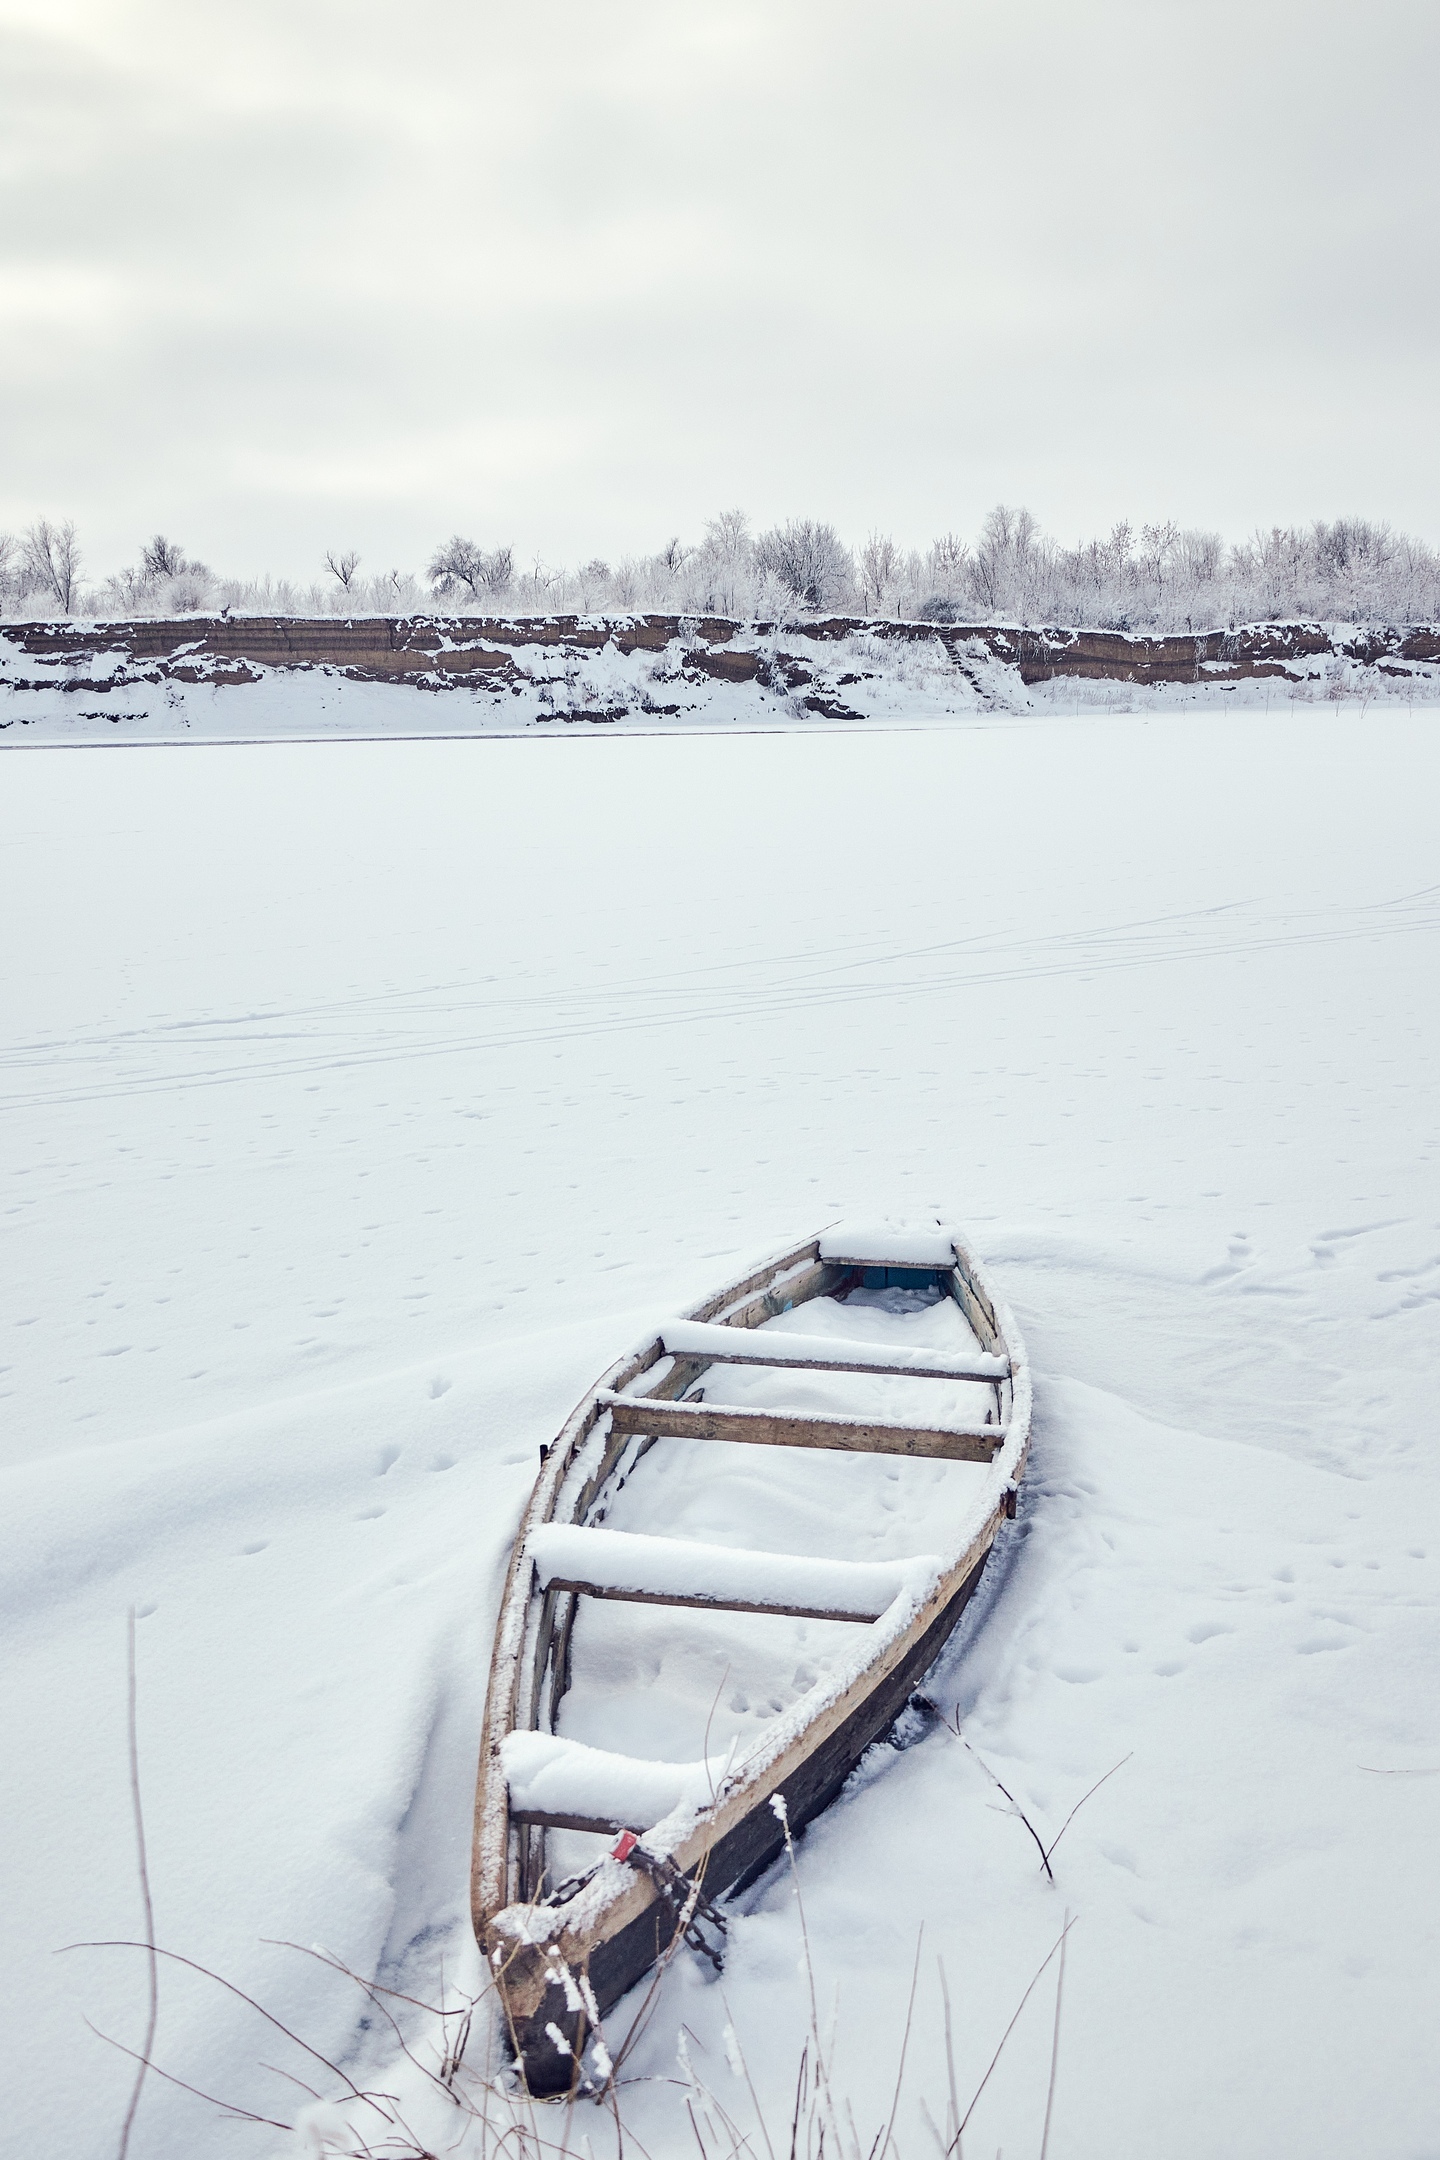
(1150, 577)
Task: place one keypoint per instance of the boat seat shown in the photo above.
(697, 1341)
(673, 1571)
(568, 1786)
(778, 1428)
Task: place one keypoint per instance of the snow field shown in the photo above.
(363, 1102)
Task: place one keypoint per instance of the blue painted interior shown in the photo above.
(900, 1278)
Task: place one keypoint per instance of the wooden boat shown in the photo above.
(592, 1861)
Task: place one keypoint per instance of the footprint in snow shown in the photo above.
(439, 1386)
(386, 1460)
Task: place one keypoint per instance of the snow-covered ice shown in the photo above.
(363, 1102)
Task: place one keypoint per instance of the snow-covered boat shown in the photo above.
(670, 1688)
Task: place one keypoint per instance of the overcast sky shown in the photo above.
(277, 275)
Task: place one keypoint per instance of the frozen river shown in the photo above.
(363, 1100)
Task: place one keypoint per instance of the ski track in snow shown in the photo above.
(361, 1106)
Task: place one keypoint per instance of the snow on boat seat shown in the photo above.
(891, 1256)
(673, 1571)
(824, 1353)
(568, 1786)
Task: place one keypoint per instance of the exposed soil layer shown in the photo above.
(794, 661)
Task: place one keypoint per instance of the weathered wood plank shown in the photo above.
(774, 1428)
(752, 1347)
(749, 1310)
(709, 1604)
(537, 1819)
(976, 1307)
(759, 1279)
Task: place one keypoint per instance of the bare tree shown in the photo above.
(720, 568)
(946, 563)
(810, 559)
(594, 580)
(461, 566)
(879, 572)
(128, 589)
(1157, 552)
(51, 556)
(161, 558)
(1157, 577)
(343, 566)
(1009, 545)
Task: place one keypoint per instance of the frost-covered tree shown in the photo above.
(880, 564)
(461, 567)
(809, 559)
(1146, 578)
(947, 563)
(51, 556)
(720, 573)
(1006, 558)
(11, 583)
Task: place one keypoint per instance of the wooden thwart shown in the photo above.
(690, 1344)
(607, 1825)
(774, 1428)
(675, 1571)
(708, 1604)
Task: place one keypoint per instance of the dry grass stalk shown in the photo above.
(498, 2118)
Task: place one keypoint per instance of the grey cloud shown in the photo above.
(291, 274)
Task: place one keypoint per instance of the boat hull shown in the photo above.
(562, 1958)
(737, 1860)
